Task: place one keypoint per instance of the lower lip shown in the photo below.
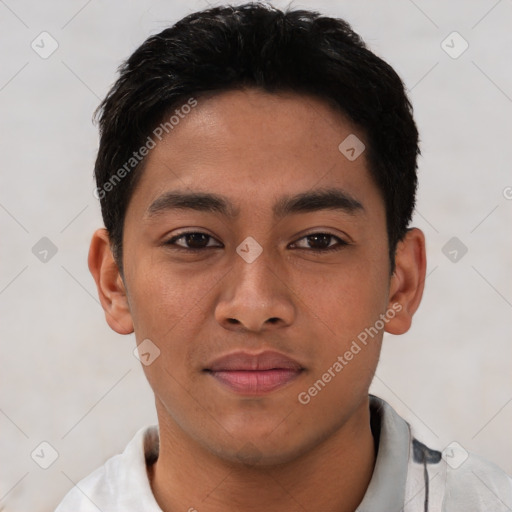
(255, 382)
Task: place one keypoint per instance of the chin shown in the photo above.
(260, 447)
(260, 456)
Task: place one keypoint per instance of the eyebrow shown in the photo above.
(311, 201)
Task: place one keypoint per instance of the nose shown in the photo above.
(255, 297)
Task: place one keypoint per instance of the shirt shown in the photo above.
(407, 477)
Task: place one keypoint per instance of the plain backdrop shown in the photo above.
(69, 381)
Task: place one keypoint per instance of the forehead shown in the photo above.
(256, 145)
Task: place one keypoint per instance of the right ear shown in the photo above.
(109, 282)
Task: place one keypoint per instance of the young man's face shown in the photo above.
(257, 153)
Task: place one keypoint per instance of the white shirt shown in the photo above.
(408, 476)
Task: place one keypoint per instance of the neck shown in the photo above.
(333, 475)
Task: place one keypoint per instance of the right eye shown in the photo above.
(191, 241)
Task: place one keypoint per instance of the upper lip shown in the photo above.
(245, 361)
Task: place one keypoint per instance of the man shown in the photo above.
(257, 176)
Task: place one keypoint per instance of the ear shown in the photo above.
(111, 289)
(407, 281)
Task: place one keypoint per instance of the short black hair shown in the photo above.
(256, 45)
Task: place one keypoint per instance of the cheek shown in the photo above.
(163, 310)
(347, 353)
(345, 306)
(171, 306)
(165, 296)
(344, 302)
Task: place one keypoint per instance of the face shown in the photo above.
(254, 291)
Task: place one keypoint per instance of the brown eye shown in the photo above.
(196, 240)
(320, 242)
(192, 241)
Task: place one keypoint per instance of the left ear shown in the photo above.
(407, 281)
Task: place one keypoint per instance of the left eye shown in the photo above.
(321, 242)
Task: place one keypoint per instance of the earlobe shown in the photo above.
(407, 281)
(111, 289)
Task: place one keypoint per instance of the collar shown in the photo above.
(387, 486)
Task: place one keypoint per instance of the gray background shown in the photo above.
(68, 380)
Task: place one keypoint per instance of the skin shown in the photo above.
(220, 450)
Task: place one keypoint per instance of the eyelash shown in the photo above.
(171, 242)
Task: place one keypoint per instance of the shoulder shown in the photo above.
(451, 480)
(475, 484)
(120, 484)
(83, 496)
(455, 481)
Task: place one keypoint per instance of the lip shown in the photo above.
(254, 374)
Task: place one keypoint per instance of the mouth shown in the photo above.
(254, 374)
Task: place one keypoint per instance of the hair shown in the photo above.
(256, 45)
